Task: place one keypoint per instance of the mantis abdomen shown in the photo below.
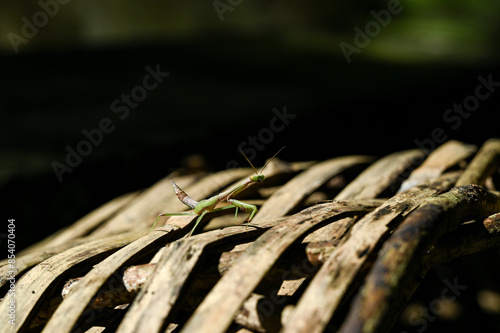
(186, 199)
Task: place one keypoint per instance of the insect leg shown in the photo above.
(169, 214)
(197, 221)
(244, 207)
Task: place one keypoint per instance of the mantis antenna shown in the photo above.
(269, 160)
(261, 170)
(246, 158)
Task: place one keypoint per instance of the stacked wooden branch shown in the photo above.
(349, 263)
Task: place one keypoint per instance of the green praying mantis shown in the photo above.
(209, 205)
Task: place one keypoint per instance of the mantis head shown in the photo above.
(259, 177)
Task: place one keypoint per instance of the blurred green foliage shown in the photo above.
(436, 31)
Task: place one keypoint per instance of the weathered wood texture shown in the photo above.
(348, 263)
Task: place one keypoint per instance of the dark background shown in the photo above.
(226, 77)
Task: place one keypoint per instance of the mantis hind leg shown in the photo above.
(169, 214)
(244, 207)
(197, 221)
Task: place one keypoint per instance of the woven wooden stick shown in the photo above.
(369, 184)
(374, 309)
(289, 195)
(261, 313)
(83, 226)
(217, 310)
(76, 302)
(445, 156)
(249, 275)
(492, 223)
(484, 164)
(35, 285)
(333, 280)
